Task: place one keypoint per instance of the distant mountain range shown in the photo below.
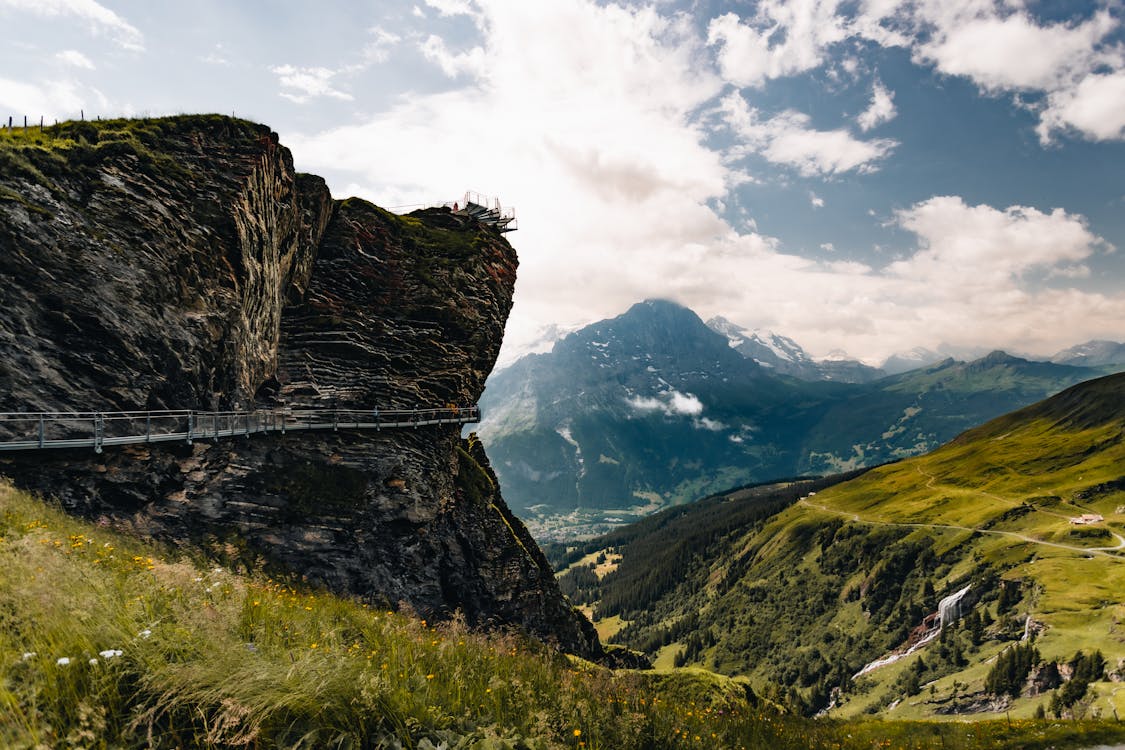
(785, 356)
(831, 587)
(654, 408)
(1092, 354)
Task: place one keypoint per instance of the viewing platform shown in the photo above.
(484, 209)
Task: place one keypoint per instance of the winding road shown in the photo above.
(1106, 551)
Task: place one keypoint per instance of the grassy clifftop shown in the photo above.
(108, 643)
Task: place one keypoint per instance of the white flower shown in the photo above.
(110, 653)
(93, 662)
(198, 579)
(29, 655)
(62, 661)
(145, 633)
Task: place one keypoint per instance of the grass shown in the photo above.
(108, 642)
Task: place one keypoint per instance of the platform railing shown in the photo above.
(35, 430)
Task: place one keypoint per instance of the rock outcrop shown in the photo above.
(182, 263)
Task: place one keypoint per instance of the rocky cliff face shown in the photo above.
(181, 263)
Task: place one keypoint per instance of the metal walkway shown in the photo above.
(34, 430)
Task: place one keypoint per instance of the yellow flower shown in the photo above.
(312, 645)
(577, 732)
(429, 677)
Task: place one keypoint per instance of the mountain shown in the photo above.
(785, 356)
(1021, 521)
(1092, 354)
(917, 357)
(918, 410)
(182, 264)
(655, 408)
(630, 413)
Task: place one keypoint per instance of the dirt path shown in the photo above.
(1106, 551)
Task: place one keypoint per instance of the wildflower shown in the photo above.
(145, 633)
(577, 732)
(313, 645)
(28, 655)
(429, 677)
(110, 653)
(93, 662)
(63, 661)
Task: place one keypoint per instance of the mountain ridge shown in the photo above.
(653, 407)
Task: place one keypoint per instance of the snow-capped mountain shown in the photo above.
(1092, 354)
(783, 355)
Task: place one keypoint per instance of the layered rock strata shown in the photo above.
(182, 263)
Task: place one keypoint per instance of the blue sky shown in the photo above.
(866, 175)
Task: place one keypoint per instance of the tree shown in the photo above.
(975, 627)
(1009, 596)
(1088, 668)
(1010, 671)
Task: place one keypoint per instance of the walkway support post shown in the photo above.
(41, 430)
(99, 432)
(190, 425)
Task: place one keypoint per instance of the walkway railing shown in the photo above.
(34, 430)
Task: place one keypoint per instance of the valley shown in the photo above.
(813, 583)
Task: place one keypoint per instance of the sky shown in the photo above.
(860, 175)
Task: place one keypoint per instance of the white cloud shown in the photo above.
(828, 247)
(53, 99)
(450, 7)
(973, 280)
(980, 246)
(302, 84)
(97, 15)
(592, 135)
(596, 137)
(815, 200)
(453, 64)
(789, 139)
(880, 110)
(781, 39)
(1094, 107)
(1014, 53)
(671, 403)
(378, 50)
(1002, 48)
(74, 59)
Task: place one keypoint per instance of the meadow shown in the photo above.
(106, 641)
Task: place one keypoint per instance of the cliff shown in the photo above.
(181, 263)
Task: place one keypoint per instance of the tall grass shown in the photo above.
(105, 642)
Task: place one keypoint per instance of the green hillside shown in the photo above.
(108, 643)
(806, 597)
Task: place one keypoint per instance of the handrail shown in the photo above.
(93, 429)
